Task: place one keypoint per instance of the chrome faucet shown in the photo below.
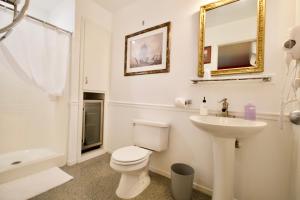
(225, 105)
(225, 111)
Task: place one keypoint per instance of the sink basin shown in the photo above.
(224, 132)
(227, 127)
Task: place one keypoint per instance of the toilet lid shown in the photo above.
(130, 154)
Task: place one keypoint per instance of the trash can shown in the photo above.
(182, 178)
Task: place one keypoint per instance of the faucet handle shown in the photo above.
(223, 100)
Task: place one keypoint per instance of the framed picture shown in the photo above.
(207, 55)
(148, 51)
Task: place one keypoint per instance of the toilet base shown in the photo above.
(133, 183)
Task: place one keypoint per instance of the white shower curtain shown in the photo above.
(37, 53)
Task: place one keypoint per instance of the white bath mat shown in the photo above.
(33, 185)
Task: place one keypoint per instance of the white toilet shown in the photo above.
(133, 161)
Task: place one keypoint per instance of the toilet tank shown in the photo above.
(151, 135)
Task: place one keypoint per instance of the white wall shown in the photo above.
(263, 164)
(298, 12)
(60, 13)
(63, 15)
(184, 58)
(38, 11)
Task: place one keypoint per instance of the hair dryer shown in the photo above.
(292, 82)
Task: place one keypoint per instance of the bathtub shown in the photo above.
(18, 164)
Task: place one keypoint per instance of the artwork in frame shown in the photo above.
(148, 51)
(207, 55)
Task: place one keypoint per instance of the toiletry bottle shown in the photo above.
(203, 108)
(250, 112)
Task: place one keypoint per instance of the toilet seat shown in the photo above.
(129, 163)
(130, 155)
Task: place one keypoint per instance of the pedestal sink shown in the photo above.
(224, 132)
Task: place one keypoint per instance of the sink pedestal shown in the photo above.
(224, 132)
(224, 158)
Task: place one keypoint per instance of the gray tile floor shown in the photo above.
(95, 180)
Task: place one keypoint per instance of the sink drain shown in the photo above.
(16, 162)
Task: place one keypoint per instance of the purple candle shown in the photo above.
(250, 112)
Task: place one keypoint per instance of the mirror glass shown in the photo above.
(230, 42)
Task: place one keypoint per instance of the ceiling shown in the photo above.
(113, 5)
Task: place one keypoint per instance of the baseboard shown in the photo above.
(92, 154)
(203, 189)
(196, 186)
(71, 163)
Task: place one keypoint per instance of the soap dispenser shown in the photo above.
(203, 108)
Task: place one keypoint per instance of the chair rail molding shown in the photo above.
(192, 110)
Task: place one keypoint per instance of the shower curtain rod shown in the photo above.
(40, 21)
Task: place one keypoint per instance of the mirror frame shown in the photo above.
(261, 8)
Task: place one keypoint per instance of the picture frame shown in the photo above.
(148, 51)
(207, 55)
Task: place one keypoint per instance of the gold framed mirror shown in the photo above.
(231, 37)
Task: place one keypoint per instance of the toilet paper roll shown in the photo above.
(181, 102)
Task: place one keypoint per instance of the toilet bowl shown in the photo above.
(133, 161)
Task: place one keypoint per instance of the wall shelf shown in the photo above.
(264, 78)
